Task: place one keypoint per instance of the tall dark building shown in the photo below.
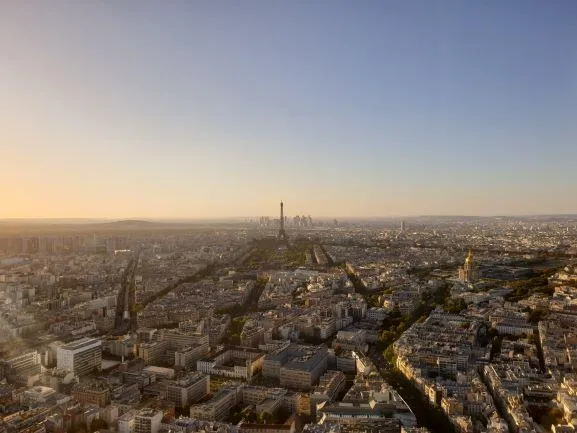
(282, 233)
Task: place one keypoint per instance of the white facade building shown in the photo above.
(80, 357)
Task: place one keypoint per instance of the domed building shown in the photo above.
(467, 273)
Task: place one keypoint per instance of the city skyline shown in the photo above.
(197, 111)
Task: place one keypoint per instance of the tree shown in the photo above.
(389, 354)
(387, 337)
(492, 332)
(265, 418)
(235, 417)
(496, 346)
(251, 416)
(535, 316)
(455, 305)
(546, 416)
(395, 313)
(373, 301)
(282, 414)
(98, 424)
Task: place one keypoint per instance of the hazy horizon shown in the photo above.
(256, 217)
(368, 109)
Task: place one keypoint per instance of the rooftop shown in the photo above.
(81, 344)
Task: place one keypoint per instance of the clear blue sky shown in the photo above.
(340, 108)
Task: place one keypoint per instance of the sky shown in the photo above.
(198, 109)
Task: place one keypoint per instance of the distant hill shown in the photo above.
(131, 223)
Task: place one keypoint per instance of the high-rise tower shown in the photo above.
(282, 233)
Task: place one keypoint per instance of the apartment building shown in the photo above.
(147, 421)
(188, 390)
(80, 357)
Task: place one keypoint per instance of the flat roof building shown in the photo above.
(80, 357)
(297, 366)
(189, 389)
(96, 393)
(147, 421)
(219, 406)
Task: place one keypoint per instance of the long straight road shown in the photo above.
(427, 415)
(205, 272)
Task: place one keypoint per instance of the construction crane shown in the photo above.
(125, 319)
